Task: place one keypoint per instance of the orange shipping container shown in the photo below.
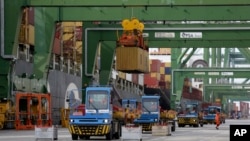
(168, 78)
(131, 59)
(122, 75)
(162, 70)
(167, 64)
(27, 34)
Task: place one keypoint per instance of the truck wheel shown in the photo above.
(109, 136)
(74, 137)
(173, 128)
(117, 135)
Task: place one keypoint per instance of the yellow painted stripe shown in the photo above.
(70, 129)
(96, 130)
(107, 129)
(73, 129)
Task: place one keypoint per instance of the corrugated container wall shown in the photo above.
(131, 60)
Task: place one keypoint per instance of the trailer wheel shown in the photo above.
(74, 137)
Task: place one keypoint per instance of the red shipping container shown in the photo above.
(162, 83)
(58, 31)
(135, 78)
(162, 77)
(155, 66)
(151, 82)
(146, 76)
(57, 46)
(78, 33)
(31, 15)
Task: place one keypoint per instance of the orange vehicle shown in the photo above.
(35, 110)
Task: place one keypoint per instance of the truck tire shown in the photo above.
(173, 127)
(74, 137)
(109, 136)
(117, 135)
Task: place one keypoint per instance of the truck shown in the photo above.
(127, 112)
(98, 118)
(191, 116)
(150, 114)
(209, 116)
(167, 115)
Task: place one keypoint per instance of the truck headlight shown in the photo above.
(71, 120)
(156, 119)
(105, 120)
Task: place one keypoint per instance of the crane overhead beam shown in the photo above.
(212, 73)
(228, 87)
(138, 3)
(171, 10)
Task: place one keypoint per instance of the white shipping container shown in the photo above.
(129, 77)
(114, 74)
(141, 79)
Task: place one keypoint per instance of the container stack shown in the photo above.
(159, 75)
(26, 38)
(135, 78)
(27, 30)
(68, 40)
(244, 108)
(67, 47)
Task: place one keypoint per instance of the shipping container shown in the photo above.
(114, 74)
(131, 60)
(194, 94)
(135, 78)
(155, 75)
(141, 79)
(155, 66)
(162, 77)
(164, 51)
(31, 15)
(122, 75)
(167, 64)
(71, 24)
(167, 70)
(129, 77)
(168, 78)
(162, 70)
(151, 82)
(28, 16)
(57, 46)
(27, 34)
(78, 33)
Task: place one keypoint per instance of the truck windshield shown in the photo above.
(97, 100)
(130, 105)
(213, 110)
(150, 105)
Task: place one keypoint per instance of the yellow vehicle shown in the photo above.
(7, 115)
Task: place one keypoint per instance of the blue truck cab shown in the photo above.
(209, 118)
(129, 103)
(97, 120)
(150, 112)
